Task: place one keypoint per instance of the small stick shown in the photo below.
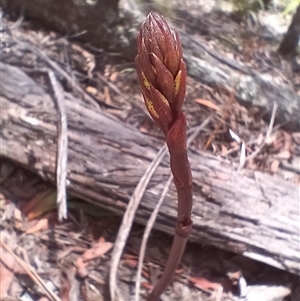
(31, 273)
(129, 217)
(62, 148)
(148, 229)
(75, 85)
(269, 131)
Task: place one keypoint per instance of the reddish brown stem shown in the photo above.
(174, 259)
(176, 141)
(180, 166)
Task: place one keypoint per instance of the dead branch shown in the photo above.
(113, 25)
(247, 212)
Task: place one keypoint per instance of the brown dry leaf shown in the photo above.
(207, 103)
(145, 126)
(6, 272)
(81, 267)
(145, 274)
(216, 289)
(107, 98)
(224, 149)
(8, 267)
(101, 239)
(17, 214)
(209, 142)
(18, 219)
(205, 285)
(283, 155)
(143, 129)
(97, 250)
(61, 255)
(147, 285)
(260, 139)
(130, 262)
(275, 165)
(114, 76)
(130, 256)
(41, 225)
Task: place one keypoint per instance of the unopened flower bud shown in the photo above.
(161, 70)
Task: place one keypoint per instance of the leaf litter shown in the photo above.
(67, 250)
(81, 245)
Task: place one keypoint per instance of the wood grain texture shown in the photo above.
(113, 25)
(249, 213)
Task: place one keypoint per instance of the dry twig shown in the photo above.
(72, 82)
(31, 273)
(269, 132)
(148, 229)
(128, 219)
(62, 148)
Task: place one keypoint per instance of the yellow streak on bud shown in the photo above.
(177, 82)
(165, 100)
(150, 107)
(145, 81)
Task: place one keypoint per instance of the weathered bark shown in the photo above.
(290, 41)
(96, 22)
(251, 88)
(249, 213)
(118, 30)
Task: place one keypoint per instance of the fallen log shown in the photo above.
(247, 212)
(113, 25)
